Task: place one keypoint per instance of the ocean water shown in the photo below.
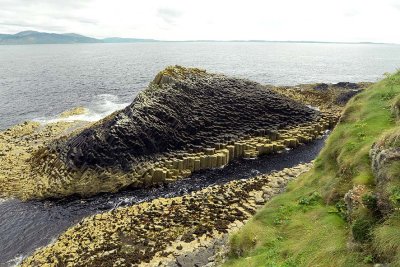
(40, 81)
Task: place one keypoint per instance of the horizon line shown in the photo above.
(213, 40)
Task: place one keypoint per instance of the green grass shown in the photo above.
(387, 239)
(307, 226)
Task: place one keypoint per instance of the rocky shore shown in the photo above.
(18, 144)
(164, 232)
(186, 120)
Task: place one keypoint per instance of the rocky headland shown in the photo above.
(186, 120)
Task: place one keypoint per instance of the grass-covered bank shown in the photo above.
(344, 212)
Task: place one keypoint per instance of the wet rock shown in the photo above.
(181, 229)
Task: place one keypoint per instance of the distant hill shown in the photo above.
(34, 37)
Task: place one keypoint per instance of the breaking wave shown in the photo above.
(100, 107)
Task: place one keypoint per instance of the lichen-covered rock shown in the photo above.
(163, 230)
(327, 97)
(385, 164)
(353, 199)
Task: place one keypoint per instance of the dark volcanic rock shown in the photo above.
(347, 85)
(321, 86)
(345, 96)
(182, 108)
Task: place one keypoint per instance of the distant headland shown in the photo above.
(35, 37)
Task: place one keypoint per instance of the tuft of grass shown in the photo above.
(386, 239)
(396, 107)
(311, 235)
(306, 225)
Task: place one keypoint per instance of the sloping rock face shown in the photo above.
(182, 109)
(186, 120)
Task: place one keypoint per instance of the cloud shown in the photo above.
(351, 13)
(168, 15)
(339, 20)
(396, 6)
(30, 25)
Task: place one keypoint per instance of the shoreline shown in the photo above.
(243, 197)
(250, 147)
(72, 208)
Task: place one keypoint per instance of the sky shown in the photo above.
(284, 20)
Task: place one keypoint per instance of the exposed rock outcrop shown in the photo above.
(385, 163)
(163, 231)
(186, 120)
(182, 111)
(182, 108)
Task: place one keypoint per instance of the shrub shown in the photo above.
(341, 209)
(310, 200)
(395, 196)
(361, 230)
(370, 201)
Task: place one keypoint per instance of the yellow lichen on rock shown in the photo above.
(176, 72)
(18, 145)
(73, 112)
(150, 232)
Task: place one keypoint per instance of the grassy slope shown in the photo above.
(307, 226)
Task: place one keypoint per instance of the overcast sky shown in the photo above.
(319, 20)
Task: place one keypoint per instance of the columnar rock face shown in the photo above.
(152, 233)
(209, 116)
(182, 108)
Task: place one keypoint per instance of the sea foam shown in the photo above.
(100, 107)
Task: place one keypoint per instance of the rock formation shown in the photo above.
(182, 111)
(185, 121)
(159, 232)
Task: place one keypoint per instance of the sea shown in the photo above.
(37, 82)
